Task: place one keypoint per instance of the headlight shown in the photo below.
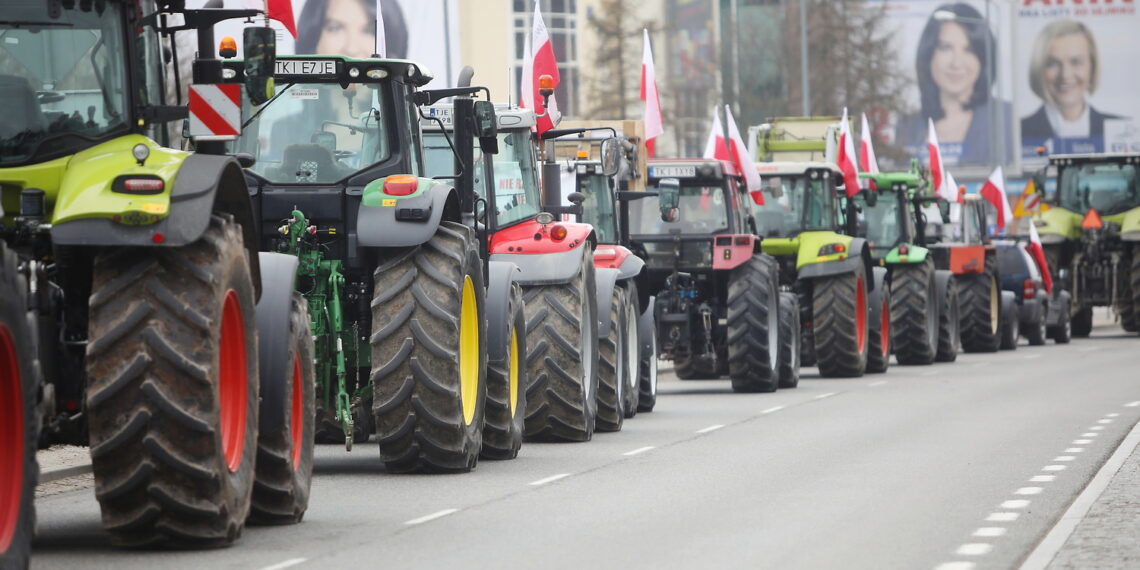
(832, 249)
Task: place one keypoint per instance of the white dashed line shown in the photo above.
(1132, 404)
(286, 564)
(877, 383)
(550, 479)
(1088, 348)
(710, 428)
(974, 549)
(1053, 468)
(1082, 441)
(1028, 491)
(1096, 428)
(928, 373)
(1002, 517)
(772, 410)
(1104, 421)
(1090, 434)
(432, 517)
(956, 566)
(639, 450)
(990, 531)
(827, 395)
(1015, 504)
(1064, 458)
(1032, 356)
(1112, 415)
(1074, 450)
(1042, 478)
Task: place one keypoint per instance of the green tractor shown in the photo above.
(924, 299)
(844, 297)
(1091, 234)
(132, 281)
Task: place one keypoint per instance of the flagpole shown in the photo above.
(804, 82)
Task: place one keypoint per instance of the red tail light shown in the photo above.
(1092, 220)
(558, 232)
(903, 249)
(1029, 289)
(401, 185)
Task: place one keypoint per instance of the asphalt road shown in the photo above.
(964, 465)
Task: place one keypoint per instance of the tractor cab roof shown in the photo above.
(1119, 157)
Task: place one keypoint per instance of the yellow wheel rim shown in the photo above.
(468, 350)
(514, 374)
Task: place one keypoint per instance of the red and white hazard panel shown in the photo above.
(215, 110)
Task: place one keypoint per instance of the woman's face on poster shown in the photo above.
(348, 30)
(1067, 70)
(955, 67)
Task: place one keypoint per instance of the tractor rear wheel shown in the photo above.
(506, 388)
(284, 469)
(632, 350)
(562, 357)
(172, 395)
(754, 325)
(789, 373)
(429, 354)
(914, 313)
(647, 373)
(981, 313)
(948, 320)
(612, 368)
(19, 418)
(879, 330)
(839, 318)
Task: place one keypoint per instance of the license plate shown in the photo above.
(673, 171)
(305, 67)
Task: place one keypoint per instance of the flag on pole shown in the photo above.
(654, 124)
(867, 160)
(739, 157)
(715, 147)
(1038, 252)
(538, 61)
(994, 192)
(958, 191)
(942, 188)
(847, 158)
(282, 11)
(381, 40)
(1028, 203)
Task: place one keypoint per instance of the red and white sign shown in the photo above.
(215, 110)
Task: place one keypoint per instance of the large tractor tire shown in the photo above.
(980, 298)
(647, 371)
(285, 455)
(914, 313)
(807, 333)
(562, 357)
(949, 318)
(172, 395)
(19, 417)
(1011, 328)
(612, 368)
(506, 388)
(754, 325)
(879, 329)
(839, 319)
(789, 369)
(429, 354)
(1082, 322)
(632, 351)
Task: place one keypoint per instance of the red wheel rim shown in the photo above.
(297, 421)
(885, 328)
(860, 314)
(234, 382)
(11, 438)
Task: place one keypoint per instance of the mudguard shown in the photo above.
(645, 326)
(618, 257)
(915, 254)
(839, 266)
(501, 277)
(546, 268)
(278, 272)
(402, 221)
(605, 281)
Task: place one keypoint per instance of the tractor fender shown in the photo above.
(605, 281)
(405, 222)
(278, 273)
(501, 276)
(645, 326)
(618, 257)
(860, 255)
(631, 267)
(547, 268)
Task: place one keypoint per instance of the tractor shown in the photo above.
(719, 309)
(1091, 234)
(136, 310)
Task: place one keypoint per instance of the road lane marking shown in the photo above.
(1082, 441)
(1104, 421)
(1015, 504)
(1090, 434)
(956, 566)
(827, 395)
(1029, 491)
(1032, 356)
(772, 410)
(990, 531)
(550, 479)
(1112, 415)
(1097, 428)
(286, 564)
(1088, 348)
(1002, 517)
(639, 450)
(710, 428)
(1064, 458)
(432, 517)
(928, 373)
(877, 383)
(974, 549)
(1042, 478)
(1074, 450)
(1135, 404)
(1053, 468)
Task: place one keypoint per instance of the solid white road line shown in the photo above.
(974, 549)
(827, 395)
(772, 410)
(990, 531)
(639, 450)
(1015, 504)
(550, 479)
(432, 517)
(1002, 517)
(710, 428)
(1047, 549)
(286, 564)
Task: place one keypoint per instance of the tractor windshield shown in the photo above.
(315, 133)
(1110, 188)
(702, 210)
(793, 205)
(883, 225)
(598, 207)
(63, 80)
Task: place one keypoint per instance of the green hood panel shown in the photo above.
(373, 194)
(915, 254)
(780, 246)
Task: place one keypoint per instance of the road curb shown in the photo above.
(64, 472)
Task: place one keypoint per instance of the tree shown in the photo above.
(614, 75)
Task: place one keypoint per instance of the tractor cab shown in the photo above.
(888, 216)
(798, 197)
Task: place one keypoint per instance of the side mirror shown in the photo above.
(260, 61)
(944, 209)
(611, 156)
(245, 159)
(487, 127)
(669, 198)
(871, 197)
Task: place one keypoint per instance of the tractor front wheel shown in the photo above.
(914, 313)
(754, 325)
(839, 317)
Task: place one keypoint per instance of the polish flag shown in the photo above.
(1038, 252)
(734, 151)
(716, 148)
(538, 61)
(867, 160)
(654, 124)
(994, 191)
(959, 191)
(942, 188)
(847, 158)
(282, 11)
